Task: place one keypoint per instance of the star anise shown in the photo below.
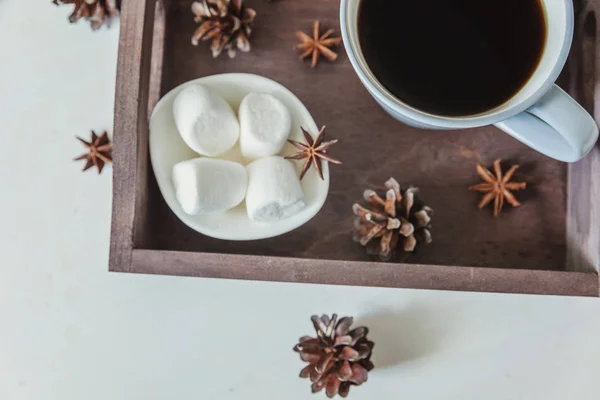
(497, 187)
(317, 45)
(313, 152)
(99, 151)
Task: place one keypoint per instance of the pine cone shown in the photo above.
(383, 224)
(338, 357)
(98, 12)
(228, 23)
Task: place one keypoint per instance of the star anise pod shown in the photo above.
(97, 12)
(99, 151)
(227, 23)
(313, 152)
(497, 187)
(317, 45)
(338, 357)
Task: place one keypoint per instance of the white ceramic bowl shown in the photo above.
(167, 148)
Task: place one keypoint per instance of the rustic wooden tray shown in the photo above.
(550, 245)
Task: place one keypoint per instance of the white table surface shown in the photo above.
(70, 330)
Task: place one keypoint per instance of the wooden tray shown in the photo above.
(550, 245)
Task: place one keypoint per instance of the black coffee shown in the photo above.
(452, 57)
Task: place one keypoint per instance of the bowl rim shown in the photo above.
(166, 188)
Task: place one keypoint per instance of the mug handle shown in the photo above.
(556, 126)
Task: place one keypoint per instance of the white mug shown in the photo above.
(540, 114)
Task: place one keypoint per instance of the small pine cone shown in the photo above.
(401, 219)
(228, 23)
(338, 357)
(98, 12)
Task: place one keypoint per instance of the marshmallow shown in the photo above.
(274, 191)
(205, 121)
(265, 125)
(205, 185)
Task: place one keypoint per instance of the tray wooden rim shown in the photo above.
(374, 274)
(141, 37)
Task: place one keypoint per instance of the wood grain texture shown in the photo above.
(157, 54)
(365, 274)
(130, 150)
(373, 147)
(583, 212)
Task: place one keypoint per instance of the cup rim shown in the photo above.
(492, 116)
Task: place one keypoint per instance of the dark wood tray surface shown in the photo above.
(373, 147)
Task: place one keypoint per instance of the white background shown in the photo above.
(70, 330)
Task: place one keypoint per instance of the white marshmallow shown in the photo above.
(274, 191)
(205, 185)
(205, 121)
(265, 125)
